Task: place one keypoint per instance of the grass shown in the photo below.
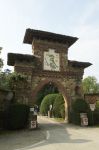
(4, 132)
(58, 119)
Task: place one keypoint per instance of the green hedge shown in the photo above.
(1, 119)
(16, 116)
(58, 107)
(79, 106)
(57, 101)
(93, 117)
(46, 102)
(74, 118)
(96, 118)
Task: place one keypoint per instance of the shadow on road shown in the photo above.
(14, 140)
(59, 133)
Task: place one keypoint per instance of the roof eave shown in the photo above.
(43, 35)
(80, 64)
(12, 57)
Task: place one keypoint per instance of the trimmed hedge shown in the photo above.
(57, 101)
(79, 106)
(46, 102)
(16, 116)
(74, 117)
(58, 107)
(93, 117)
(1, 119)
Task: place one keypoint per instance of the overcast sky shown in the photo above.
(79, 18)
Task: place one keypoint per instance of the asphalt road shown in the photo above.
(65, 136)
(52, 136)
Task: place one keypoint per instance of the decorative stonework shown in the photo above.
(51, 60)
(91, 98)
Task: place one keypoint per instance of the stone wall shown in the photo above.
(68, 80)
(40, 46)
(6, 97)
(92, 97)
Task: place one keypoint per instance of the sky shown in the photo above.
(78, 18)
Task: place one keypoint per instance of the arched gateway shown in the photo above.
(49, 64)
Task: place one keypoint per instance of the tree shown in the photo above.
(1, 61)
(90, 85)
(9, 80)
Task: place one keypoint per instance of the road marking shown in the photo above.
(47, 135)
(31, 146)
(36, 144)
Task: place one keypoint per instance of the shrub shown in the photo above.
(96, 118)
(75, 118)
(96, 114)
(57, 101)
(58, 107)
(1, 119)
(46, 102)
(80, 106)
(16, 116)
(97, 106)
(47, 89)
(91, 118)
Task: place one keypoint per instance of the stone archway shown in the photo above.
(49, 63)
(61, 90)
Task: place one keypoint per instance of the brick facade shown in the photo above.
(68, 79)
(91, 98)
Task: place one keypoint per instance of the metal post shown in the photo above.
(92, 118)
(92, 107)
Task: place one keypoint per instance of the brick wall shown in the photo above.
(68, 80)
(92, 97)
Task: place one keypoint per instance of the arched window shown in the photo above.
(77, 90)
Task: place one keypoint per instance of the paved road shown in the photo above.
(15, 140)
(65, 136)
(53, 136)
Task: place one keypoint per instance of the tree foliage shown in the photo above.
(4, 80)
(9, 80)
(1, 61)
(47, 89)
(97, 107)
(46, 102)
(90, 85)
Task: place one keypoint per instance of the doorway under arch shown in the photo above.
(58, 87)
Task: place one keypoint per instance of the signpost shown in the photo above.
(33, 124)
(92, 107)
(84, 119)
(32, 119)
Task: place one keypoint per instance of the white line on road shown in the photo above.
(36, 144)
(47, 135)
(31, 146)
